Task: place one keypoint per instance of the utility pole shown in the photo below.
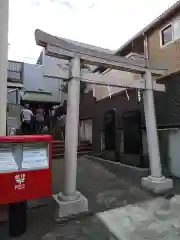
(4, 17)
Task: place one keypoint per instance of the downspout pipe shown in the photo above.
(146, 49)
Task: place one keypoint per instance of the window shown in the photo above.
(170, 33)
(167, 35)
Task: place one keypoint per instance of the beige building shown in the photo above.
(159, 42)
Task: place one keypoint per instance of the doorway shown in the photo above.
(132, 132)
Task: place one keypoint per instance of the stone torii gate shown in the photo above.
(71, 201)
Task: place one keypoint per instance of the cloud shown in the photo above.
(35, 3)
(68, 4)
(91, 6)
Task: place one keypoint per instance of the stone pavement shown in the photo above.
(155, 219)
(106, 186)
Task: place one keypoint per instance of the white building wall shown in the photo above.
(34, 80)
(54, 67)
(53, 85)
(172, 149)
(33, 77)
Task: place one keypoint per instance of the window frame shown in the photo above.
(161, 35)
(173, 37)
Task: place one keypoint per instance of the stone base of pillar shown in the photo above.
(69, 207)
(157, 185)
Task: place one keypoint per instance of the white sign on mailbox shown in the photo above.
(19, 156)
(7, 162)
(35, 158)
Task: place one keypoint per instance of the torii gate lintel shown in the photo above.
(66, 49)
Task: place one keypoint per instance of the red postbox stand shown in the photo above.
(25, 168)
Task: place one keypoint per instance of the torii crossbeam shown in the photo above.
(70, 201)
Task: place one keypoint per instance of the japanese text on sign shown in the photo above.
(20, 181)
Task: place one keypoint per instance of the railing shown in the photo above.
(15, 71)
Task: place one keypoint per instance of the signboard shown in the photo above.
(35, 158)
(25, 168)
(7, 162)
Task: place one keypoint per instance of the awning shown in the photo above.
(37, 97)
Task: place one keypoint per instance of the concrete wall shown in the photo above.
(12, 97)
(34, 80)
(54, 67)
(14, 111)
(13, 108)
(33, 77)
(167, 115)
(174, 152)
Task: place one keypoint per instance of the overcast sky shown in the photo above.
(104, 23)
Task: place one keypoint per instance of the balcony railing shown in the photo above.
(15, 72)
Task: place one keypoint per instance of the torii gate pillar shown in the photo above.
(70, 201)
(156, 182)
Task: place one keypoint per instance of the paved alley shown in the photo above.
(106, 186)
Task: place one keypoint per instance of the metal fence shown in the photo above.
(15, 71)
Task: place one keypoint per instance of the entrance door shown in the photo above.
(110, 129)
(132, 132)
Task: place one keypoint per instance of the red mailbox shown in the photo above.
(25, 168)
